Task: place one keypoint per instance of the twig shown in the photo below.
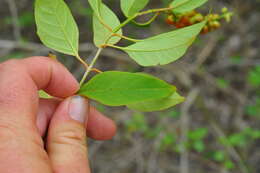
(89, 69)
(15, 19)
(184, 160)
(31, 46)
(229, 148)
(205, 53)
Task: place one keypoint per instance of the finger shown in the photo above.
(45, 113)
(51, 76)
(20, 142)
(66, 142)
(99, 127)
(25, 77)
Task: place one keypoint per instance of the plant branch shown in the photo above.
(159, 10)
(89, 69)
(114, 33)
(126, 38)
(113, 46)
(149, 21)
(82, 61)
(86, 65)
(155, 11)
(15, 19)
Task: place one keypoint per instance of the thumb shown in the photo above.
(66, 142)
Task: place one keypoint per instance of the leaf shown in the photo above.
(56, 26)
(122, 88)
(158, 105)
(101, 32)
(164, 48)
(44, 95)
(95, 5)
(131, 7)
(183, 6)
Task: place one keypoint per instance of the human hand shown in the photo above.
(24, 119)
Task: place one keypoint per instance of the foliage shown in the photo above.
(254, 108)
(254, 76)
(58, 30)
(122, 88)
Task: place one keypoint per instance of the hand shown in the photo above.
(24, 119)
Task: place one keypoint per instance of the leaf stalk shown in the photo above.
(89, 69)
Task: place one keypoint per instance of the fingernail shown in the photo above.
(78, 108)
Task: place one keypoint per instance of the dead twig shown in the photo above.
(15, 20)
(184, 160)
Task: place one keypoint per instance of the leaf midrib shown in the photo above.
(156, 50)
(64, 32)
(127, 89)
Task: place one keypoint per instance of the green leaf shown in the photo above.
(229, 164)
(122, 88)
(198, 134)
(95, 5)
(131, 7)
(158, 105)
(164, 48)
(254, 76)
(101, 32)
(183, 6)
(56, 26)
(219, 156)
(44, 95)
(199, 146)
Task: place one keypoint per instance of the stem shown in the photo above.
(82, 61)
(114, 33)
(114, 46)
(90, 66)
(125, 23)
(155, 10)
(140, 14)
(126, 38)
(149, 21)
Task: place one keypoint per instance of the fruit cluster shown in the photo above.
(193, 17)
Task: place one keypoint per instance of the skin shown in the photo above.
(25, 120)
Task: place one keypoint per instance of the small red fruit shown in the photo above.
(205, 30)
(170, 20)
(185, 21)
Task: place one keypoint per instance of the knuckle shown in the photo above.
(70, 136)
(10, 136)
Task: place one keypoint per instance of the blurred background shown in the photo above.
(217, 128)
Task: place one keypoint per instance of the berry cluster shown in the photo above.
(193, 17)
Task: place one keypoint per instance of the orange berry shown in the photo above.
(191, 13)
(179, 25)
(205, 30)
(197, 18)
(185, 21)
(216, 24)
(170, 20)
